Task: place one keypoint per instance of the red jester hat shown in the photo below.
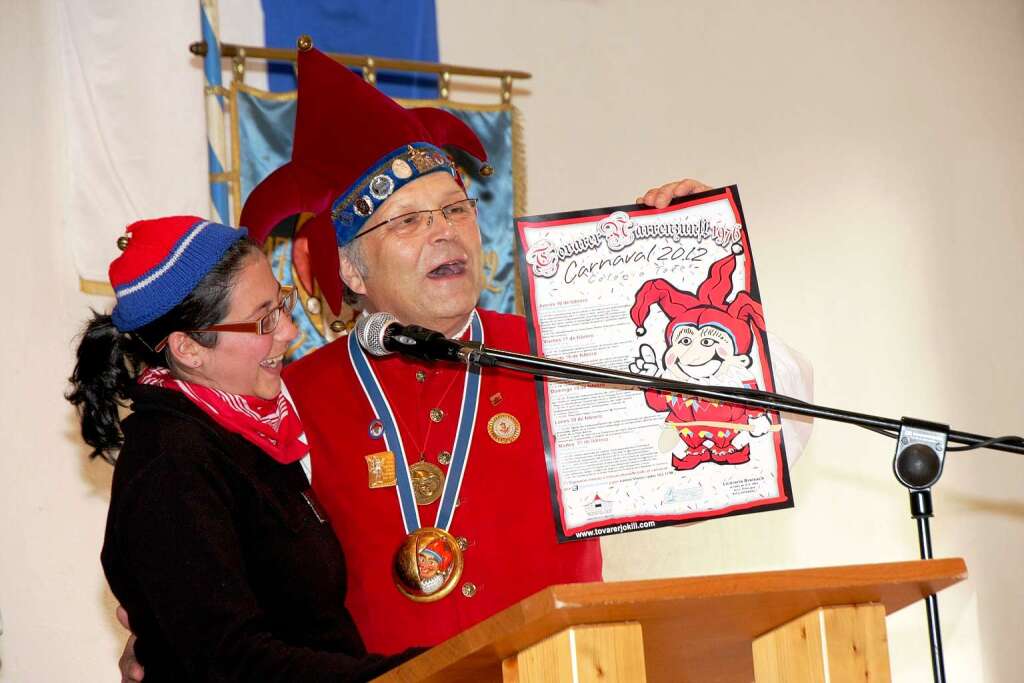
(353, 148)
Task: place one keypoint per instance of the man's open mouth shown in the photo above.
(448, 269)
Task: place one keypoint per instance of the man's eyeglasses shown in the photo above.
(457, 214)
(266, 324)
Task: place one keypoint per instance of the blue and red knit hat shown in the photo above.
(163, 260)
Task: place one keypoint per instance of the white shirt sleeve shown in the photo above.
(794, 377)
(306, 462)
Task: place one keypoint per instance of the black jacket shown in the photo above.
(221, 561)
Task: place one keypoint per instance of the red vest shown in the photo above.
(504, 506)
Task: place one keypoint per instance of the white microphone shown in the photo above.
(381, 334)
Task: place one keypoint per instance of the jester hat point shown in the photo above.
(353, 148)
(707, 307)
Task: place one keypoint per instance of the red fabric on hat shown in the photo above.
(708, 306)
(152, 241)
(323, 254)
(343, 126)
(440, 546)
(716, 288)
(661, 292)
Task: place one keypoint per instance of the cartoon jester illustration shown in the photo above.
(708, 342)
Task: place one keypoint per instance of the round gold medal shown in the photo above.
(503, 428)
(427, 482)
(427, 565)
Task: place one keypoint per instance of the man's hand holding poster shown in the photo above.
(668, 293)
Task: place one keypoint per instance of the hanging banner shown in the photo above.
(668, 293)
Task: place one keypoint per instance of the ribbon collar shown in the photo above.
(393, 437)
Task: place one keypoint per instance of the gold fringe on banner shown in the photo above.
(519, 194)
(95, 287)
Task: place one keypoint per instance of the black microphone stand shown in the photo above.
(920, 450)
(475, 354)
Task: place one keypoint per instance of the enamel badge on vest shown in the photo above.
(503, 428)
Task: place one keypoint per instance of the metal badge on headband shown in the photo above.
(428, 563)
(387, 176)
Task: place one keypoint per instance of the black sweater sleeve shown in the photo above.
(177, 533)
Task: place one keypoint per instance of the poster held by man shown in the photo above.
(669, 293)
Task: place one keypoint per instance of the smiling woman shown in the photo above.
(246, 359)
(214, 543)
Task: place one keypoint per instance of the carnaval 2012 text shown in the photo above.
(618, 231)
(657, 253)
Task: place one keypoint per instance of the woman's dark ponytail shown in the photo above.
(99, 382)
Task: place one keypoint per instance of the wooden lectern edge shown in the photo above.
(558, 607)
(578, 595)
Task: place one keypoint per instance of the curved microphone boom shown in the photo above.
(381, 334)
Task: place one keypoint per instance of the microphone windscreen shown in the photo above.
(370, 331)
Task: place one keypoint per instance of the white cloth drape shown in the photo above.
(134, 122)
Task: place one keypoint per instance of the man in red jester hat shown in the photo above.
(399, 445)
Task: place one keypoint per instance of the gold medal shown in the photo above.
(427, 482)
(503, 428)
(427, 565)
(380, 468)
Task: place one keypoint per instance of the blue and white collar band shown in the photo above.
(393, 438)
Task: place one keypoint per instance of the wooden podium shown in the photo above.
(824, 624)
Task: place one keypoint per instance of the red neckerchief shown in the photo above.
(269, 423)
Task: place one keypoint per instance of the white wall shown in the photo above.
(878, 149)
(55, 605)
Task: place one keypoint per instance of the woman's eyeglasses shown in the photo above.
(266, 324)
